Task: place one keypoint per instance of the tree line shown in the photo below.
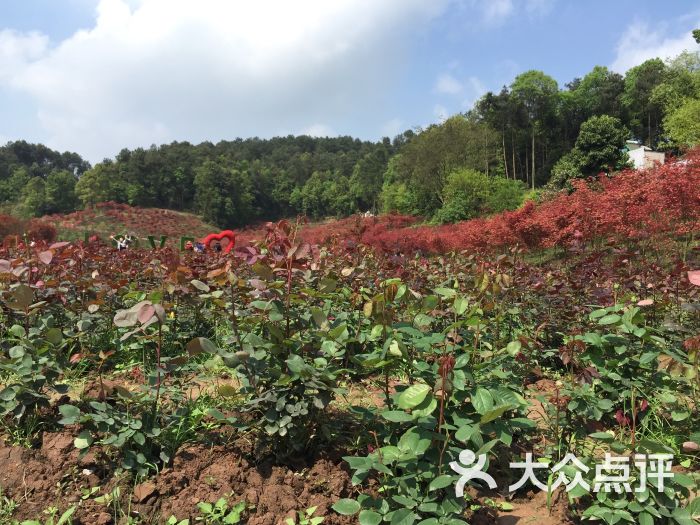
(531, 134)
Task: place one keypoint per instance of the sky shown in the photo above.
(96, 76)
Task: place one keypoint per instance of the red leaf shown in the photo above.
(46, 256)
(146, 312)
(694, 277)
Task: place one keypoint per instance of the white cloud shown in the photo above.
(152, 71)
(474, 90)
(640, 42)
(440, 112)
(448, 84)
(493, 13)
(496, 11)
(470, 89)
(393, 127)
(16, 49)
(319, 130)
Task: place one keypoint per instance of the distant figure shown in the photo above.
(122, 241)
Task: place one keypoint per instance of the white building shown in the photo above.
(643, 157)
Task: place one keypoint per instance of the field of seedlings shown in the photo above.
(339, 381)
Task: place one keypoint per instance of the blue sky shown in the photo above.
(94, 76)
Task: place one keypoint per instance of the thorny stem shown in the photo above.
(158, 367)
(634, 420)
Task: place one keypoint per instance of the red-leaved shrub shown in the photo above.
(38, 230)
(664, 200)
(10, 225)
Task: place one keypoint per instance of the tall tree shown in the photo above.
(538, 94)
(223, 195)
(645, 113)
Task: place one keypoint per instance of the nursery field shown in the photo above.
(110, 218)
(340, 379)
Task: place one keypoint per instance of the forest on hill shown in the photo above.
(532, 134)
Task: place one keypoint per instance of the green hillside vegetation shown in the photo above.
(533, 133)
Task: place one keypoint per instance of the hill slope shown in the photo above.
(110, 218)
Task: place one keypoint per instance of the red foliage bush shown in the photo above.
(632, 204)
(38, 230)
(9, 225)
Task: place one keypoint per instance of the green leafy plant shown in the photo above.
(219, 512)
(306, 517)
(53, 517)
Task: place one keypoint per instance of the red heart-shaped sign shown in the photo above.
(220, 242)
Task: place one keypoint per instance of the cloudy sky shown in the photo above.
(94, 76)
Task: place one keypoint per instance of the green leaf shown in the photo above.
(682, 516)
(320, 318)
(201, 344)
(21, 297)
(8, 394)
(413, 396)
(403, 517)
(296, 364)
(413, 440)
(465, 432)
(603, 436)
(441, 482)
(609, 319)
(369, 517)
(54, 336)
(346, 507)
(605, 404)
(460, 305)
(482, 400)
(66, 516)
(684, 480)
(495, 413)
(514, 348)
(199, 285)
(396, 416)
(694, 508)
(679, 415)
(70, 414)
(84, 440)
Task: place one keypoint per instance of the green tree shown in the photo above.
(367, 178)
(599, 147)
(645, 112)
(97, 184)
(60, 192)
(469, 193)
(11, 188)
(223, 195)
(428, 158)
(601, 143)
(683, 125)
(599, 92)
(396, 196)
(34, 198)
(538, 94)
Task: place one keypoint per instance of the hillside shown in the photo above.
(108, 218)
(650, 204)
